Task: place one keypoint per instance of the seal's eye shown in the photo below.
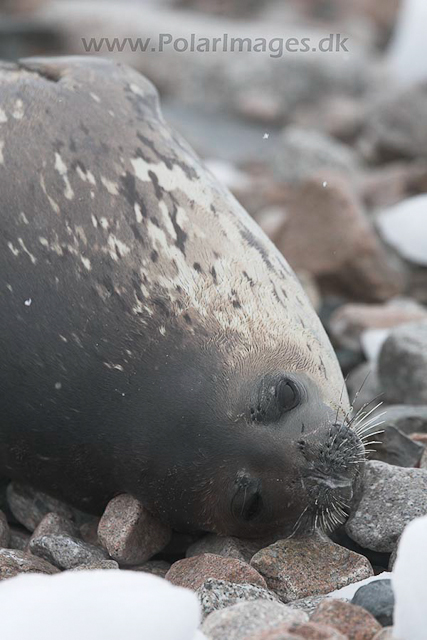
(287, 395)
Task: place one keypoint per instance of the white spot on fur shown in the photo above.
(9, 286)
(14, 250)
(137, 90)
(52, 202)
(61, 168)
(58, 386)
(95, 97)
(162, 330)
(86, 263)
(138, 213)
(1, 151)
(111, 187)
(28, 302)
(94, 221)
(18, 112)
(117, 247)
(24, 248)
(104, 223)
(23, 218)
(110, 365)
(63, 338)
(86, 176)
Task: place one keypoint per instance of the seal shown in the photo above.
(152, 339)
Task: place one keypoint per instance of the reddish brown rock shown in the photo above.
(193, 572)
(227, 546)
(352, 621)
(328, 234)
(297, 631)
(12, 563)
(4, 531)
(54, 524)
(30, 506)
(129, 533)
(309, 565)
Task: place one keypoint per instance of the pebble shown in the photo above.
(226, 546)
(219, 594)
(105, 565)
(89, 531)
(402, 365)
(54, 524)
(324, 233)
(404, 227)
(30, 506)
(396, 448)
(377, 597)
(66, 552)
(19, 539)
(4, 531)
(193, 572)
(155, 567)
(309, 604)
(245, 618)
(129, 533)
(391, 498)
(309, 565)
(13, 562)
(303, 152)
(352, 621)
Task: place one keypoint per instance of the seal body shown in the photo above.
(152, 339)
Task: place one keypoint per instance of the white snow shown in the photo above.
(410, 583)
(404, 227)
(347, 593)
(408, 50)
(97, 605)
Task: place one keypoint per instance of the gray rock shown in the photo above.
(393, 130)
(309, 604)
(303, 152)
(4, 531)
(13, 562)
(396, 448)
(155, 567)
(54, 524)
(363, 382)
(407, 418)
(95, 566)
(378, 598)
(130, 533)
(30, 506)
(19, 539)
(219, 594)
(245, 618)
(392, 497)
(66, 552)
(402, 365)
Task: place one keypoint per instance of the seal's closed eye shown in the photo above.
(287, 394)
(276, 396)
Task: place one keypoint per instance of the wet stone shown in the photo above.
(13, 563)
(30, 506)
(247, 618)
(193, 572)
(378, 598)
(129, 533)
(350, 620)
(66, 552)
(4, 531)
(392, 497)
(218, 594)
(296, 568)
(396, 448)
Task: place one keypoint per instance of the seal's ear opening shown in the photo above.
(247, 502)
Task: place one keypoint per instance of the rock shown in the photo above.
(423, 462)
(304, 152)
(155, 567)
(392, 127)
(410, 582)
(29, 506)
(13, 562)
(378, 598)
(219, 594)
(309, 605)
(339, 116)
(54, 524)
(394, 447)
(350, 321)
(4, 531)
(105, 565)
(193, 572)
(388, 185)
(295, 568)
(407, 50)
(363, 382)
(130, 533)
(402, 365)
(89, 531)
(404, 227)
(385, 634)
(392, 497)
(408, 419)
(327, 233)
(348, 593)
(350, 620)
(297, 631)
(66, 552)
(227, 546)
(245, 618)
(19, 539)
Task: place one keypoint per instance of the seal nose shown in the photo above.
(247, 502)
